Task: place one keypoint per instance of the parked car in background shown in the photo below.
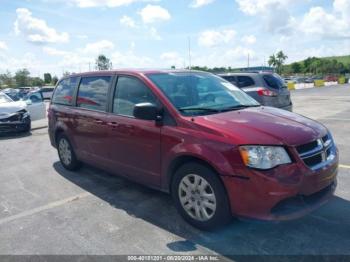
(14, 116)
(215, 149)
(317, 78)
(47, 92)
(35, 105)
(16, 105)
(12, 93)
(268, 89)
(331, 78)
(309, 80)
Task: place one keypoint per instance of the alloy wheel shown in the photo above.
(65, 151)
(197, 197)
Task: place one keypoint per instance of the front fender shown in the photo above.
(219, 156)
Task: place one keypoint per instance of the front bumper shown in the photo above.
(16, 126)
(284, 193)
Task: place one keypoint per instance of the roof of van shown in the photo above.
(135, 71)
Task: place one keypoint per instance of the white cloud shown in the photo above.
(254, 7)
(154, 13)
(127, 21)
(81, 36)
(81, 58)
(211, 38)
(234, 57)
(55, 52)
(131, 60)
(3, 45)
(200, 3)
(172, 59)
(274, 13)
(249, 39)
(27, 60)
(319, 22)
(154, 34)
(342, 7)
(104, 3)
(36, 30)
(97, 47)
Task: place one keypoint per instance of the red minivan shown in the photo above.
(200, 138)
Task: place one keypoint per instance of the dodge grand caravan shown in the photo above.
(200, 138)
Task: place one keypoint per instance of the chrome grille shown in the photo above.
(318, 153)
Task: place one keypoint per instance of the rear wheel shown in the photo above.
(200, 196)
(66, 154)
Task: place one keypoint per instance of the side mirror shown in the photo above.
(147, 111)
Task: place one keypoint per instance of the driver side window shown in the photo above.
(35, 98)
(129, 92)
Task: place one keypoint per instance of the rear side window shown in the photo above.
(129, 92)
(274, 81)
(244, 81)
(64, 91)
(231, 79)
(93, 92)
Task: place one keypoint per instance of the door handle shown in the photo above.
(100, 122)
(113, 124)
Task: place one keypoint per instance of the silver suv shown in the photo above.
(268, 89)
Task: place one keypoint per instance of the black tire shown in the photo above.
(28, 127)
(72, 165)
(222, 215)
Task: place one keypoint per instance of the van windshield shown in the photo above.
(198, 93)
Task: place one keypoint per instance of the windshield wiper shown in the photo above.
(238, 107)
(184, 109)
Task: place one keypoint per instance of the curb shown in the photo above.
(38, 128)
(292, 86)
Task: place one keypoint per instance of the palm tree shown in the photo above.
(272, 61)
(277, 61)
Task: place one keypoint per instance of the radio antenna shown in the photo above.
(189, 53)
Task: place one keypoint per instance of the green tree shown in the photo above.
(37, 82)
(103, 63)
(272, 61)
(277, 61)
(296, 68)
(281, 58)
(6, 80)
(47, 78)
(22, 78)
(54, 80)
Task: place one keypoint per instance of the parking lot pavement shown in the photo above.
(45, 209)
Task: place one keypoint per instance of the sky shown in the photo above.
(67, 35)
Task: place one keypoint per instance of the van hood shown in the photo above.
(263, 126)
(7, 109)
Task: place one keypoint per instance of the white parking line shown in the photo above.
(43, 208)
(336, 119)
(344, 166)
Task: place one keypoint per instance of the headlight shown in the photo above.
(264, 157)
(26, 114)
(23, 113)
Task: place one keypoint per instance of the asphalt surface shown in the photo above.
(45, 209)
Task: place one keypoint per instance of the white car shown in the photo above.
(47, 91)
(35, 105)
(17, 116)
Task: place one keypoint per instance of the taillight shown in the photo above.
(266, 92)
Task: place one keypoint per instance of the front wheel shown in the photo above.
(200, 196)
(66, 154)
